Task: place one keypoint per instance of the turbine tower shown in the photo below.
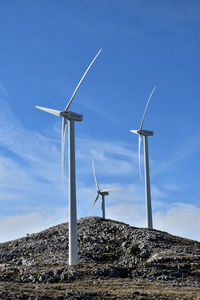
(103, 193)
(71, 117)
(145, 133)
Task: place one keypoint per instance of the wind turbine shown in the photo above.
(71, 117)
(103, 193)
(145, 133)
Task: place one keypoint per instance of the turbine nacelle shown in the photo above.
(71, 115)
(143, 132)
(103, 193)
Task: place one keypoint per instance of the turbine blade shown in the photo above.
(94, 203)
(64, 122)
(139, 146)
(76, 89)
(49, 110)
(109, 190)
(134, 131)
(95, 178)
(146, 107)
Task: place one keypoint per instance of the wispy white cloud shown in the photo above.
(12, 227)
(171, 187)
(29, 163)
(133, 214)
(181, 219)
(183, 151)
(110, 157)
(28, 145)
(3, 90)
(100, 111)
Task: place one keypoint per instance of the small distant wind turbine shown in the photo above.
(145, 133)
(103, 193)
(71, 117)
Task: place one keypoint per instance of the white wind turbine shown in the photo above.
(145, 133)
(71, 117)
(103, 193)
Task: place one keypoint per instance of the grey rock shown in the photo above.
(108, 250)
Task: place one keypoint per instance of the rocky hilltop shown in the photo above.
(117, 261)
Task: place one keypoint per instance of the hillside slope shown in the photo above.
(117, 261)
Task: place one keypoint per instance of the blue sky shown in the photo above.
(45, 48)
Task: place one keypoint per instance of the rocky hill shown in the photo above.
(117, 261)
